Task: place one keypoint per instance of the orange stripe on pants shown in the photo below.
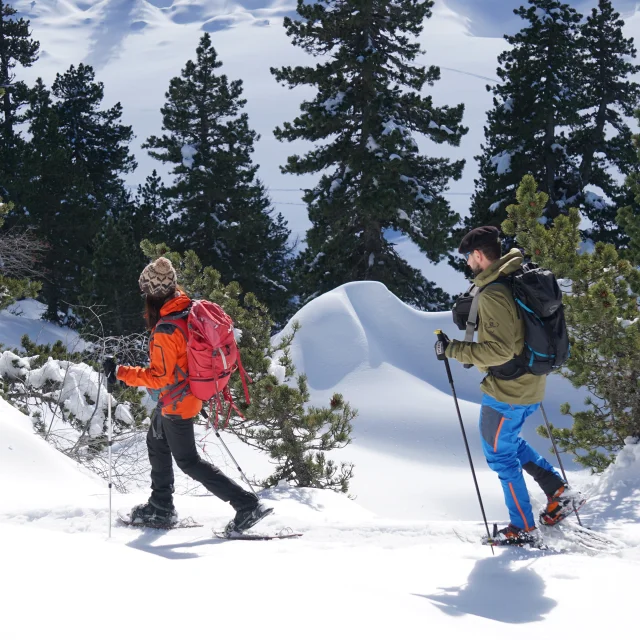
(513, 493)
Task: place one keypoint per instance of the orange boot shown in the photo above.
(561, 504)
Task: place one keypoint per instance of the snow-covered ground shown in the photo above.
(399, 558)
(352, 575)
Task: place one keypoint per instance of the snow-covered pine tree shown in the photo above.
(17, 48)
(72, 182)
(602, 142)
(363, 118)
(220, 210)
(537, 100)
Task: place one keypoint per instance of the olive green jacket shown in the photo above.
(500, 337)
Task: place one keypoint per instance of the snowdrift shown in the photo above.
(362, 341)
(32, 473)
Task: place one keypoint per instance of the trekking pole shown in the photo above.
(216, 431)
(555, 448)
(438, 332)
(109, 443)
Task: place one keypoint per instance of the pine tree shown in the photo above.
(111, 294)
(297, 437)
(17, 48)
(537, 100)
(152, 211)
(12, 289)
(42, 195)
(364, 115)
(558, 115)
(220, 210)
(98, 139)
(602, 140)
(72, 182)
(602, 312)
(629, 217)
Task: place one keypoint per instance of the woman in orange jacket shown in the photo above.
(171, 431)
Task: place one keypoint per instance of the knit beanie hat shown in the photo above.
(158, 279)
(479, 237)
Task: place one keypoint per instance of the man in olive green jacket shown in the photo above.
(506, 403)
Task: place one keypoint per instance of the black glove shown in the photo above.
(441, 346)
(109, 367)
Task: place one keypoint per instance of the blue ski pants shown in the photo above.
(508, 454)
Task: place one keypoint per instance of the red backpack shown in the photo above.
(212, 356)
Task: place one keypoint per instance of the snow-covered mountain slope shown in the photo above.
(494, 18)
(137, 46)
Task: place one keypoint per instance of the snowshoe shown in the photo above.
(514, 536)
(247, 518)
(562, 503)
(154, 515)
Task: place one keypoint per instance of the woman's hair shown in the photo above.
(152, 306)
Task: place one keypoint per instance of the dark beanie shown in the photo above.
(478, 238)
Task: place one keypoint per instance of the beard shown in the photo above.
(476, 270)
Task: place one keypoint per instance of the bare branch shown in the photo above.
(21, 253)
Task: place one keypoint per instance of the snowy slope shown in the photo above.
(24, 318)
(352, 575)
(31, 474)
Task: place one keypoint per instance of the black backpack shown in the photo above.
(538, 300)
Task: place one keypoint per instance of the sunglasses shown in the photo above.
(466, 255)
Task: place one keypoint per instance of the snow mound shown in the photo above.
(314, 506)
(32, 472)
(362, 341)
(616, 493)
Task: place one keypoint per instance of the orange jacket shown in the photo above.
(168, 355)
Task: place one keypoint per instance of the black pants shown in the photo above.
(174, 435)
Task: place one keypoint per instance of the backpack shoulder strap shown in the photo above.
(178, 320)
(506, 281)
(472, 320)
